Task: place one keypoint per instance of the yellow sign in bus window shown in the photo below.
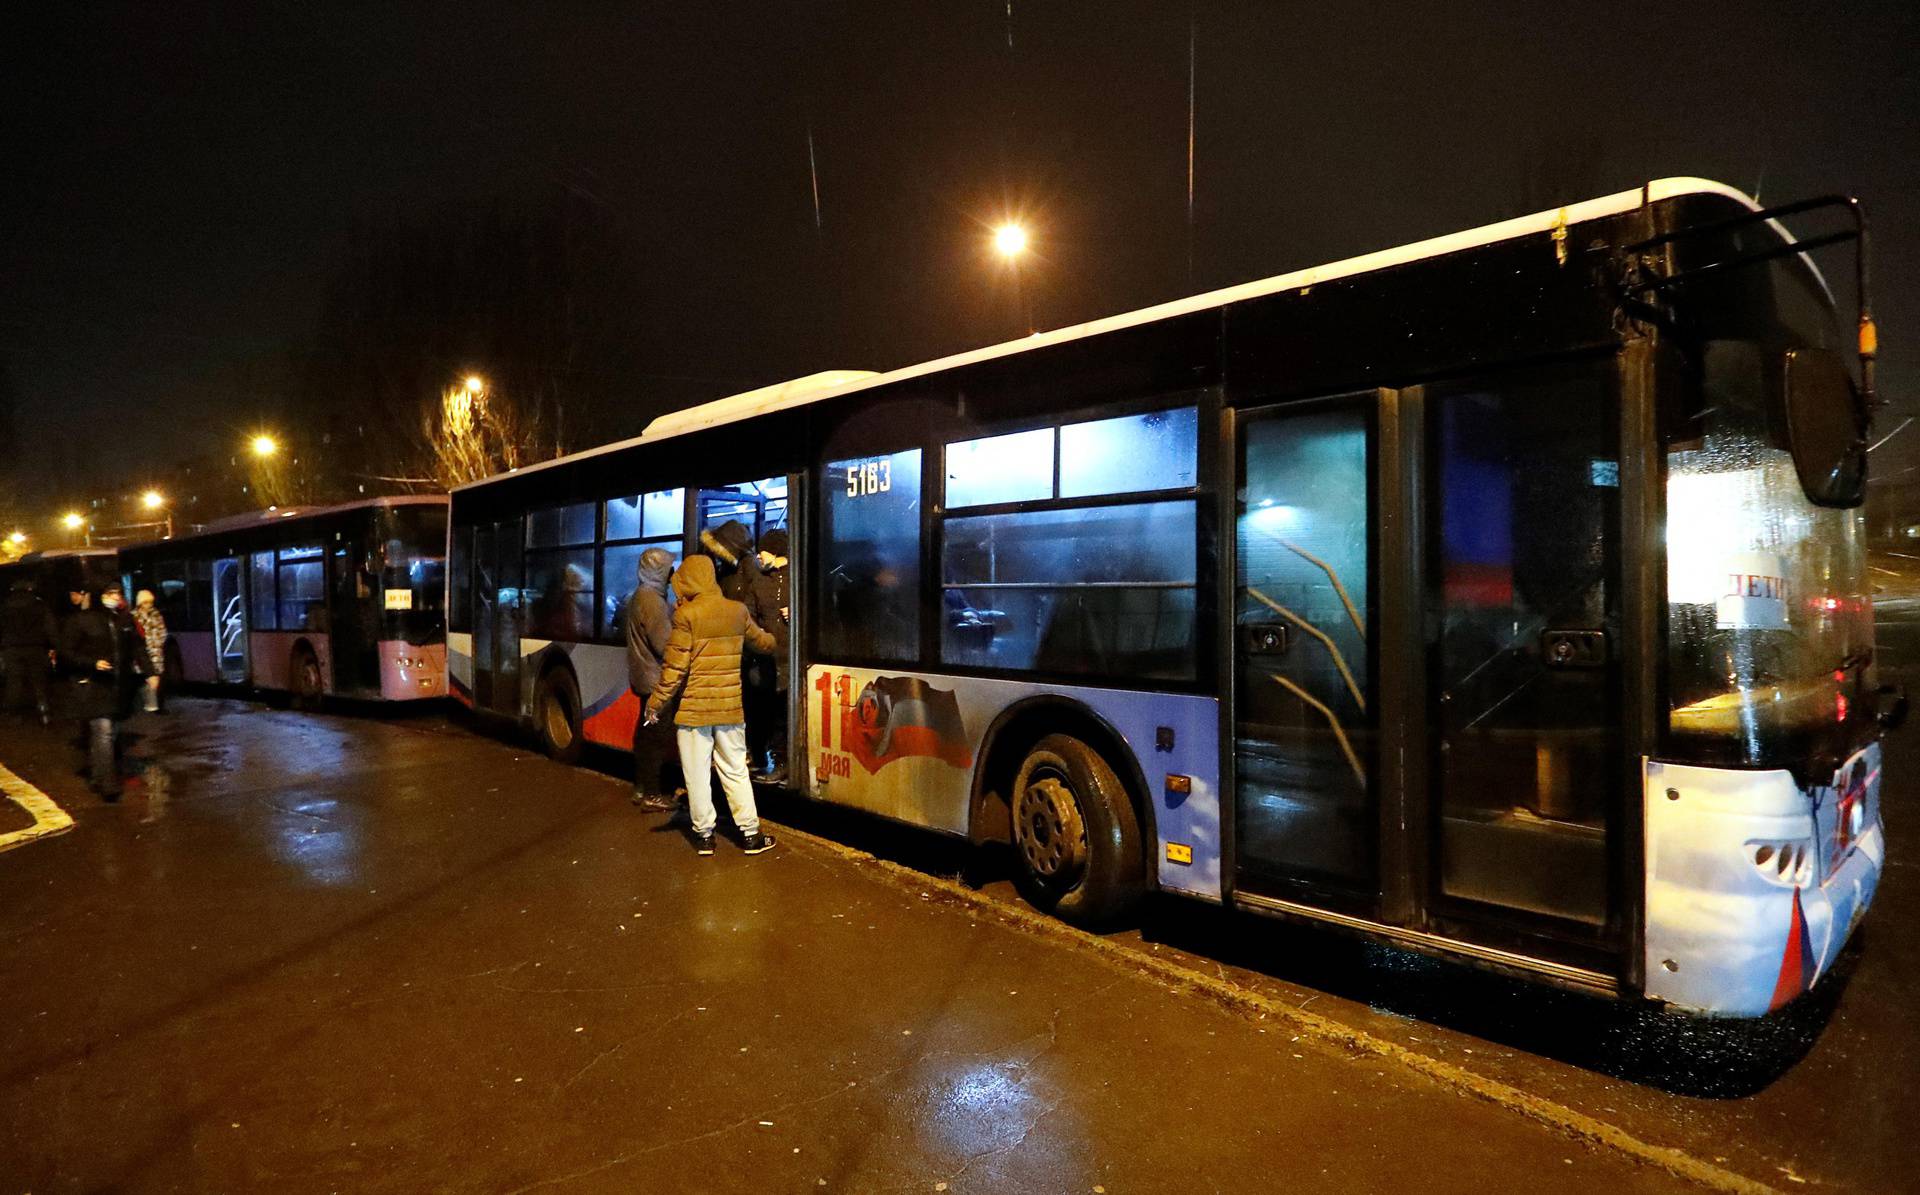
(1179, 852)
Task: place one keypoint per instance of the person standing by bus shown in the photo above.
(153, 634)
(769, 600)
(102, 651)
(649, 627)
(26, 648)
(711, 634)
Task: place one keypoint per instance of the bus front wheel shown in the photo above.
(1075, 833)
(305, 683)
(556, 715)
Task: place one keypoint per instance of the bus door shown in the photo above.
(1523, 658)
(1306, 787)
(230, 620)
(498, 551)
(354, 628)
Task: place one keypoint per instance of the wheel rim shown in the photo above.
(559, 722)
(1051, 829)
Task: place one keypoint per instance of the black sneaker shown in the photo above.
(703, 843)
(756, 844)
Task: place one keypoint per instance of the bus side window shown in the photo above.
(870, 558)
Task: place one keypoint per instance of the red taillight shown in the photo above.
(1831, 603)
(1840, 707)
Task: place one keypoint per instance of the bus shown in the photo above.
(314, 602)
(59, 572)
(1499, 596)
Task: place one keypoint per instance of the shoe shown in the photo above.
(703, 843)
(655, 803)
(756, 844)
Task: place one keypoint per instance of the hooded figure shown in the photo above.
(731, 546)
(711, 632)
(648, 622)
(656, 767)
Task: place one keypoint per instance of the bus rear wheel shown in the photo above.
(304, 682)
(1075, 833)
(556, 715)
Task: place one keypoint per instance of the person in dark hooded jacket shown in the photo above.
(769, 599)
(102, 652)
(649, 624)
(27, 643)
(731, 547)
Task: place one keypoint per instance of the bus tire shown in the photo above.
(305, 685)
(556, 715)
(1075, 835)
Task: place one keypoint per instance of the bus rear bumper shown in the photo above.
(1755, 884)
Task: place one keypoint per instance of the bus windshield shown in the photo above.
(1769, 615)
(413, 572)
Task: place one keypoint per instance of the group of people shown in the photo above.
(112, 659)
(707, 657)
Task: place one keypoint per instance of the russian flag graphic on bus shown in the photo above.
(897, 717)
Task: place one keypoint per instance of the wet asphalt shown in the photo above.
(360, 952)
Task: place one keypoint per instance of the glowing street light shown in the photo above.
(1010, 240)
(475, 383)
(264, 445)
(154, 500)
(17, 538)
(73, 520)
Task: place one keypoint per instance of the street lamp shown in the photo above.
(475, 383)
(17, 538)
(73, 520)
(264, 445)
(1010, 240)
(155, 500)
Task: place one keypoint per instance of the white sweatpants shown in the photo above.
(705, 750)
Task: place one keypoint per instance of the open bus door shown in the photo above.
(230, 620)
(498, 558)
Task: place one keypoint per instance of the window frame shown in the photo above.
(1207, 400)
(674, 541)
(931, 462)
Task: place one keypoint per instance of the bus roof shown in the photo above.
(274, 514)
(833, 383)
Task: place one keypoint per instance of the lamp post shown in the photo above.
(156, 502)
(74, 521)
(1011, 241)
(263, 445)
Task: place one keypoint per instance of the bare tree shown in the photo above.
(474, 431)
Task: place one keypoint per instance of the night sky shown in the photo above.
(181, 178)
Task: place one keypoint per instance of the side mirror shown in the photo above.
(1825, 428)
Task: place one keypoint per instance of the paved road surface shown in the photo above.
(359, 953)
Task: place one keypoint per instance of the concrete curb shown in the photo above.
(48, 819)
(1556, 1116)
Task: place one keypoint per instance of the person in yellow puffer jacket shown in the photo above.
(702, 669)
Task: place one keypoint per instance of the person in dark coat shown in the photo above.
(27, 643)
(769, 599)
(103, 654)
(649, 624)
(731, 547)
